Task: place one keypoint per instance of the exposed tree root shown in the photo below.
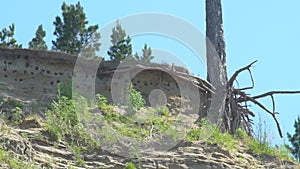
(236, 107)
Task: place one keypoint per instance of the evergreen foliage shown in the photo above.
(121, 44)
(7, 37)
(72, 34)
(295, 140)
(38, 42)
(147, 54)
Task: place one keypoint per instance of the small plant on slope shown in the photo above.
(130, 166)
(295, 140)
(136, 99)
(62, 118)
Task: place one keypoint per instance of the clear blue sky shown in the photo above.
(267, 31)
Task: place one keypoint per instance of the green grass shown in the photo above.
(132, 125)
(70, 119)
(64, 117)
(7, 159)
(139, 127)
(232, 142)
(262, 147)
(130, 166)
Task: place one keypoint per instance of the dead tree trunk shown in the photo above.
(214, 29)
(225, 102)
(216, 58)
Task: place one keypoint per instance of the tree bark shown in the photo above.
(214, 29)
(216, 61)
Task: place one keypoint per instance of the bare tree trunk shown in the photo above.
(214, 29)
(216, 61)
(226, 102)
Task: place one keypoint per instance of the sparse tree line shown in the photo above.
(74, 36)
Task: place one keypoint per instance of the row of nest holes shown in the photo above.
(42, 71)
(58, 81)
(36, 68)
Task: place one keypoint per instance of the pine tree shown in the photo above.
(147, 54)
(38, 42)
(7, 38)
(121, 44)
(71, 32)
(295, 140)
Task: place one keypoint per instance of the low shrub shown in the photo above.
(130, 165)
(17, 116)
(136, 99)
(65, 121)
(101, 102)
(62, 118)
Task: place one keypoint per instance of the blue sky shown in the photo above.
(267, 31)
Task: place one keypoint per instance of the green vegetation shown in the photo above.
(17, 116)
(263, 148)
(163, 111)
(7, 37)
(65, 89)
(13, 103)
(232, 142)
(72, 34)
(63, 118)
(147, 54)
(130, 165)
(38, 41)
(121, 44)
(136, 99)
(77, 151)
(136, 126)
(14, 116)
(8, 160)
(147, 123)
(65, 122)
(70, 119)
(295, 140)
(102, 103)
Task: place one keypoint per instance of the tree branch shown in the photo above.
(248, 98)
(252, 81)
(230, 82)
(275, 92)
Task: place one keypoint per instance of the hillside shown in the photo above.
(35, 149)
(30, 145)
(43, 125)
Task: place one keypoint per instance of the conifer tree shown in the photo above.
(7, 37)
(71, 32)
(295, 140)
(121, 44)
(147, 54)
(38, 42)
